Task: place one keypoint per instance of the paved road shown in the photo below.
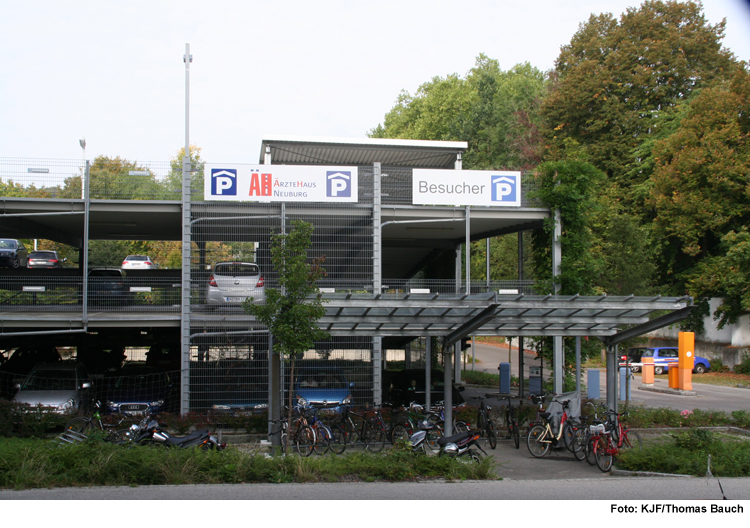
(708, 397)
(609, 489)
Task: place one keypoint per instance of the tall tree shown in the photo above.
(700, 188)
(291, 312)
(116, 179)
(173, 182)
(615, 79)
(495, 111)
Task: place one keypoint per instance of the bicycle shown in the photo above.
(372, 431)
(541, 437)
(406, 427)
(615, 438)
(85, 425)
(302, 436)
(431, 424)
(327, 438)
(511, 420)
(486, 426)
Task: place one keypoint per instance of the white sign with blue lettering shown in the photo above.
(466, 187)
(280, 183)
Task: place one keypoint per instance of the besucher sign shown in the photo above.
(280, 183)
(466, 187)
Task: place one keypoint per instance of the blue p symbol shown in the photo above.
(224, 182)
(503, 189)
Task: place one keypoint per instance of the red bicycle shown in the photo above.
(611, 439)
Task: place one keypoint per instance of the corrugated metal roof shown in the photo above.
(307, 150)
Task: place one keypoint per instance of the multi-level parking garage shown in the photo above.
(377, 242)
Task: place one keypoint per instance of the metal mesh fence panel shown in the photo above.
(109, 179)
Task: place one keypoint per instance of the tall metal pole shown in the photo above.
(186, 240)
(557, 341)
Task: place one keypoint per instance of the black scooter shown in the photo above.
(458, 445)
(149, 432)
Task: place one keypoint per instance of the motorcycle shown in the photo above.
(455, 446)
(149, 431)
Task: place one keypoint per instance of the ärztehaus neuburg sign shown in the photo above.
(317, 183)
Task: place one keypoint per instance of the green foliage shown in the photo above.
(477, 377)
(291, 312)
(33, 464)
(743, 367)
(645, 417)
(615, 79)
(26, 421)
(568, 186)
(494, 110)
(688, 454)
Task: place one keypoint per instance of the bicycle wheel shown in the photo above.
(604, 457)
(537, 447)
(338, 440)
(591, 450)
(80, 424)
(581, 439)
(304, 441)
(569, 436)
(350, 434)
(516, 434)
(631, 440)
(480, 420)
(399, 433)
(492, 436)
(374, 438)
(431, 440)
(460, 427)
(322, 439)
(119, 437)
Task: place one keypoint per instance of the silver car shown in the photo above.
(231, 283)
(63, 387)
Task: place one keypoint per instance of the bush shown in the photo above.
(22, 420)
(688, 453)
(744, 367)
(32, 464)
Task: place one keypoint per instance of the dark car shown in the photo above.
(401, 387)
(140, 389)
(108, 287)
(633, 358)
(63, 387)
(239, 387)
(102, 358)
(45, 259)
(13, 254)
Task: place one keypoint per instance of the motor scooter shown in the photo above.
(458, 445)
(149, 431)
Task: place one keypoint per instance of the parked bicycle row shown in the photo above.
(597, 437)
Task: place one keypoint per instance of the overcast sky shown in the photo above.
(112, 72)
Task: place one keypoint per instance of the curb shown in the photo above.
(623, 473)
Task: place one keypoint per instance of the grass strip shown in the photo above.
(29, 463)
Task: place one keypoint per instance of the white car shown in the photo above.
(138, 262)
(231, 283)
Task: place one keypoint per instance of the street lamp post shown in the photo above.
(82, 142)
